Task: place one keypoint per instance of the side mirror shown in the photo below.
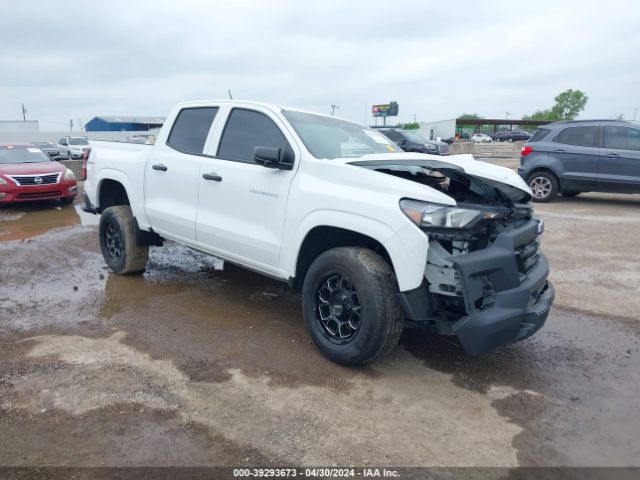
(271, 157)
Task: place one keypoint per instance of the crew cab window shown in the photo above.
(191, 128)
(622, 138)
(580, 136)
(247, 129)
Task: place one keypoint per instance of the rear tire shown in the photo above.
(544, 185)
(118, 241)
(350, 305)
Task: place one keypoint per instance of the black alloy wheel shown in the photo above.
(113, 241)
(338, 308)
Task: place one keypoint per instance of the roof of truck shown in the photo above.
(271, 106)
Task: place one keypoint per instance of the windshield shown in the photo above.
(78, 141)
(43, 144)
(331, 138)
(22, 155)
(413, 136)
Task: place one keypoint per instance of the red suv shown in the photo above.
(27, 174)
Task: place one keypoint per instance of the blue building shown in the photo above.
(123, 124)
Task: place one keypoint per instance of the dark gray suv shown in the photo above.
(582, 156)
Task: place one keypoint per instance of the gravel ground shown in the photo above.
(191, 365)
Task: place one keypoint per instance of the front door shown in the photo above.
(242, 204)
(576, 149)
(619, 163)
(171, 174)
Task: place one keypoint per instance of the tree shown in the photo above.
(569, 104)
(567, 107)
(411, 126)
(470, 116)
(547, 114)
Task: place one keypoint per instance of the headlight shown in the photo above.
(432, 215)
(68, 175)
(3, 181)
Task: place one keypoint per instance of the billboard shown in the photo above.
(387, 110)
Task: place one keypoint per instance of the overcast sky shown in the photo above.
(78, 59)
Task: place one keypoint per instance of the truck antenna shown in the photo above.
(229, 92)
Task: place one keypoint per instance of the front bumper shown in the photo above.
(517, 313)
(11, 193)
(514, 307)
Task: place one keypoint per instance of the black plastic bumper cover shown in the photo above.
(521, 301)
(516, 314)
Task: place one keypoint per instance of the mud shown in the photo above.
(192, 365)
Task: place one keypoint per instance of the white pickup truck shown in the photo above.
(374, 238)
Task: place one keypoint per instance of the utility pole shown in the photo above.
(333, 109)
(24, 113)
(70, 125)
(635, 113)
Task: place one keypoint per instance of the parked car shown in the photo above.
(582, 156)
(481, 138)
(413, 141)
(372, 239)
(72, 147)
(28, 174)
(511, 136)
(48, 148)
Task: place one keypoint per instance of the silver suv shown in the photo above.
(577, 156)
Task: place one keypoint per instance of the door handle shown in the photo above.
(159, 166)
(614, 155)
(212, 176)
(559, 151)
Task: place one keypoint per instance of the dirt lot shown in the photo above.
(190, 365)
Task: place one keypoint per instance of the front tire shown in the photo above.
(570, 193)
(118, 241)
(544, 185)
(350, 305)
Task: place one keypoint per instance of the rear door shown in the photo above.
(577, 151)
(171, 174)
(242, 204)
(619, 162)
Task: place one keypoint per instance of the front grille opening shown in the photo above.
(34, 180)
(527, 256)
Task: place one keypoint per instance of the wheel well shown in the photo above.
(112, 193)
(546, 170)
(321, 239)
(543, 169)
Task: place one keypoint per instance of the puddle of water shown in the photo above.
(28, 221)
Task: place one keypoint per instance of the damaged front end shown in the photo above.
(485, 280)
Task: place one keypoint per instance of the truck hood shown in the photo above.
(503, 179)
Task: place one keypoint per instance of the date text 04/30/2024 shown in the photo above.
(316, 472)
